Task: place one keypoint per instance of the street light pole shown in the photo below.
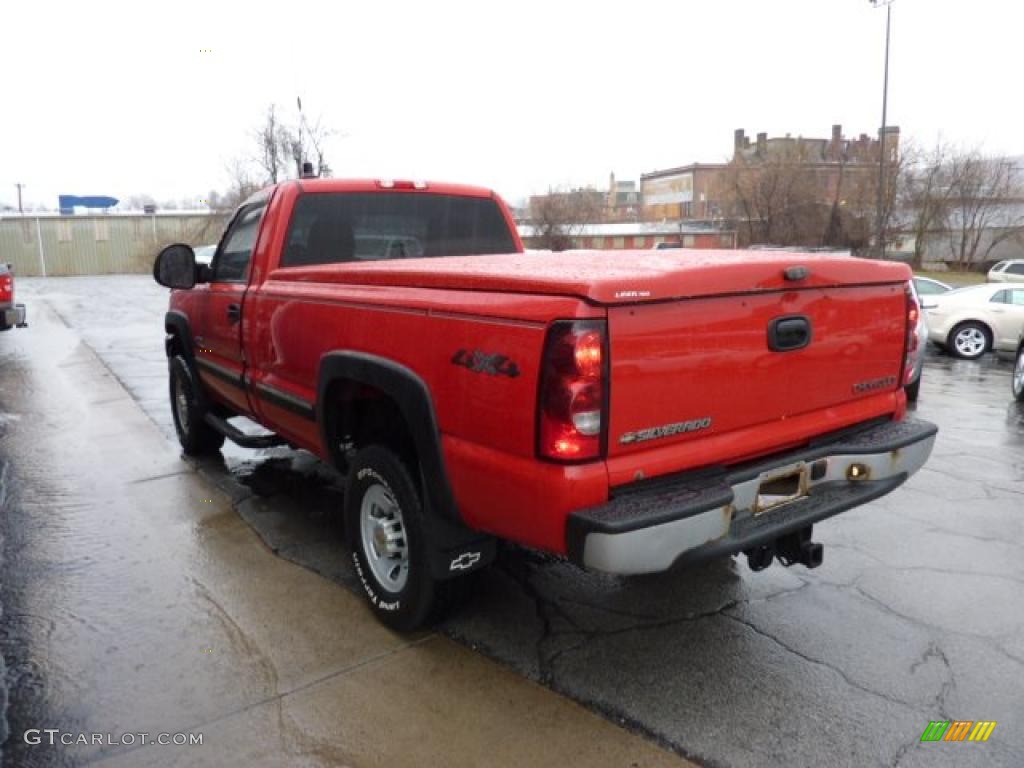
(880, 235)
(19, 185)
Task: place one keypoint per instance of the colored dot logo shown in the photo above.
(206, 50)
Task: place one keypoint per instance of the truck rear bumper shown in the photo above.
(699, 516)
(11, 317)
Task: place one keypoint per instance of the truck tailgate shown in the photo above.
(688, 372)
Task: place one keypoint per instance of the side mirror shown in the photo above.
(175, 266)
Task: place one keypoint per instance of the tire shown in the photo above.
(913, 389)
(197, 438)
(384, 524)
(969, 341)
(1017, 380)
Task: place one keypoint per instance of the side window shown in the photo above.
(1015, 269)
(1000, 297)
(231, 263)
(1017, 298)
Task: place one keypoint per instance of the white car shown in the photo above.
(204, 254)
(1017, 380)
(913, 387)
(1009, 271)
(926, 286)
(969, 322)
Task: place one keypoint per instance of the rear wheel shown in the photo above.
(913, 389)
(195, 435)
(969, 340)
(384, 524)
(1018, 376)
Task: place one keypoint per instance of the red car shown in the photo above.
(11, 315)
(629, 410)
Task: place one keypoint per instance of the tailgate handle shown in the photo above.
(788, 333)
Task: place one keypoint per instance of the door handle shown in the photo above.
(788, 333)
(234, 313)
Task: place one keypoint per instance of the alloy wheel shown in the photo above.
(384, 539)
(970, 342)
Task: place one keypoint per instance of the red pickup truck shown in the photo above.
(628, 410)
(11, 315)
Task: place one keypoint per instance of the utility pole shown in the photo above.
(19, 185)
(880, 235)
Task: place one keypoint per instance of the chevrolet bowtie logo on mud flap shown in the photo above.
(666, 430)
(464, 561)
(482, 362)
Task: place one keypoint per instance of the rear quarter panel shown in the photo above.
(487, 421)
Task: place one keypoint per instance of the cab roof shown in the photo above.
(382, 185)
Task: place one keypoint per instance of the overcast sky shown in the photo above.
(515, 96)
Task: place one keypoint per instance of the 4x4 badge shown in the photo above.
(482, 362)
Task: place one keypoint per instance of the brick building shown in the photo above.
(695, 191)
(623, 201)
(687, 192)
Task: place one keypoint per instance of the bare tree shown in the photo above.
(772, 197)
(214, 200)
(241, 184)
(138, 202)
(984, 205)
(924, 193)
(272, 140)
(559, 216)
(306, 142)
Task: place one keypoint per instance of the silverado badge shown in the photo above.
(666, 430)
(872, 385)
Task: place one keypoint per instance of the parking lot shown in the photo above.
(916, 614)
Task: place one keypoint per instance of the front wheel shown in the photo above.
(1017, 383)
(195, 435)
(969, 340)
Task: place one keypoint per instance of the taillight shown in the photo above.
(913, 315)
(6, 288)
(573, 391)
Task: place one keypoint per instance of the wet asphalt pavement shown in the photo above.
(917, 613)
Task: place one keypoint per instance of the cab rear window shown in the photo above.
(331, 227)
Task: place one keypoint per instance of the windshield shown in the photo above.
(329, 227)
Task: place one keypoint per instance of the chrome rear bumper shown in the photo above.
(699, 516)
